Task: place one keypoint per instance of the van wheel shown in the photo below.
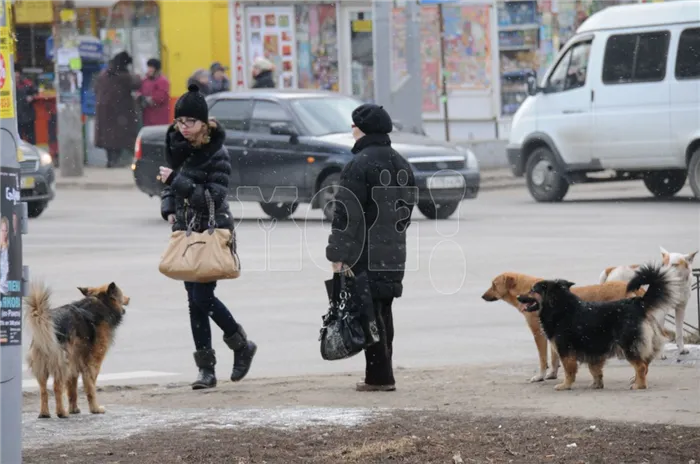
(35, 208)
(544, 180)
(279, 210)
(665, 184)
(694, 173)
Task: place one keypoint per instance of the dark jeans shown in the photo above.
(379, 370)
(203, 305)
(27, 132)
(117, 158)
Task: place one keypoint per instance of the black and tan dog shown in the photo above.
(72, 340)
(592, 332)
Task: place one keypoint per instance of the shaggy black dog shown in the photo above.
(591, 332)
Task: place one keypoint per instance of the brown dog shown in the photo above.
(72, 340)
(509, 285)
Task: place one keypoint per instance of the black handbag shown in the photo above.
(349, 326)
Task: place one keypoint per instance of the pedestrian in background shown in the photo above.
(218, 82)
(200, 78)
(155, 92)
(116, 117)
(25, 91)
(262, 73)
(197, 162)
(373, 208)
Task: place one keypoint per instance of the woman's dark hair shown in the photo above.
(121, 61)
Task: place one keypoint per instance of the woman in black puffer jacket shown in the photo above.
(198, 161)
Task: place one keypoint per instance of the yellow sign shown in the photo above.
(7, 99)
(362, 25)
(5, 36)
(33, 12)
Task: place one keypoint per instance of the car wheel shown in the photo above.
(35, 208)
(329, 188)
(279, 210)
(544, 180)
(665, 184)
(433, 210)
(694, 173)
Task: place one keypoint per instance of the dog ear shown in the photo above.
(690, 257)
(83, 290)
(510, 282)
(665, 255)
(111, 289)
(566, 284)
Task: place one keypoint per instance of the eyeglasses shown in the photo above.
(187, 122)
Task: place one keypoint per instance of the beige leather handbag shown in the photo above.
(201, 257)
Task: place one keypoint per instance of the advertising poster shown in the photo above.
(399, 66)
(430, 54)
(7, 107)
(468, 47)
(10, 259)
(271, 35)
(317, 46)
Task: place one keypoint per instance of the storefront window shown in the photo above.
(317, 47)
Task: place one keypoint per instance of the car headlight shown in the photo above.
(45, 157)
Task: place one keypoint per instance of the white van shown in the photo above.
(623, 95)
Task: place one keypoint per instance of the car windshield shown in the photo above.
(327, 115)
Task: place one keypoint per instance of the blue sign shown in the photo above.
(90, 48)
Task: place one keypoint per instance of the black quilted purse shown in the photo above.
(350, 324)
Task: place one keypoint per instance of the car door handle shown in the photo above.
(572, 111)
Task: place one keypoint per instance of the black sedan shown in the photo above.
(37, 177)
(288, 147)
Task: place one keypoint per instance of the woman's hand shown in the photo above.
(165, 173)
(171, 219)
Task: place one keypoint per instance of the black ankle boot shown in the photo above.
(205, 360)
(243, 352)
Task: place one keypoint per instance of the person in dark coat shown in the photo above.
(218, 82)
(116, 117)
(373, 208)
(197, 161)
(200, 78)
(262, 73)
(25, 91)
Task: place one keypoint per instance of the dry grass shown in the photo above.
(691, 339)
(392, 448)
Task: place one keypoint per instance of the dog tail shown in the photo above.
(664, 286)
(604, 275)
(38, 317)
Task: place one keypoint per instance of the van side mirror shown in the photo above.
(532, 88)
(283, 128)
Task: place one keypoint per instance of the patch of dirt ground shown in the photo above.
(407, 437)
(488, 414)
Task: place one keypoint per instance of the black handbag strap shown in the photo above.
(197, 217)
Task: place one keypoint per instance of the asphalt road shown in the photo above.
(88, 238)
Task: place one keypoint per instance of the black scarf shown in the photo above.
(371, 139)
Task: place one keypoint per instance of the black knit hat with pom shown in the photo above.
(192, 105)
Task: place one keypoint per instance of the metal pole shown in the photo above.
(68, 76)
(443, 71)
(381, 38)
(11, 271)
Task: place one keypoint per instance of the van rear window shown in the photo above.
(636, 58)
(688, 57)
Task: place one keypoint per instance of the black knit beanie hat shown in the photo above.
(192, 105)
(372, 119)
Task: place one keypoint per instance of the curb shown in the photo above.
(495, 183)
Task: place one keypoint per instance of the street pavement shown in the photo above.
(91, 237)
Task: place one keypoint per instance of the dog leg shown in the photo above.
(72, 386)
(43, 379)
(596, 370)
(91, 391)
(554, 371)
(570, 368)
(641, 369)
(541, 341)
(58, 384)
(680, 317)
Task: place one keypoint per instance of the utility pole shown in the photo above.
(12, 226)
(69, 80)
(443, 72)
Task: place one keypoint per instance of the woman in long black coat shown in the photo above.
(197, 162)
(116, 116)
